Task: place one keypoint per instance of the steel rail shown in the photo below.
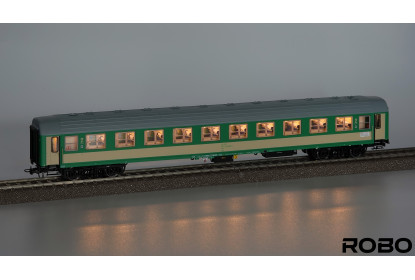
(293, 161)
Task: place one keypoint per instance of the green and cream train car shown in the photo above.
(102, 143)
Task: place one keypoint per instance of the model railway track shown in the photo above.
(205, 168)
(20, 183)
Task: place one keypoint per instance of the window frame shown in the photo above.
(319, 126)
(76, 143)
(344, 122)
(239, 131)
(175, 140)
(211, 134)
(118, 145)
(292, 127)
(262, 136)
(146, 143)
(364, 122)
(96, 147)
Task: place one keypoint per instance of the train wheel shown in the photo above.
(95, 172)
(346, 152)
(323, 153)
(115, 170)
(312, 154)
(338, 153)
(100, 173)
(70, 174)
(111, 171)
(332, 153)
(363, 151)
(121, 169)
(355, 151)
(86, 173)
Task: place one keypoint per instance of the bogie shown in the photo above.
(336, 152)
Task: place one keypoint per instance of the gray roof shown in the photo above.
(207, 114)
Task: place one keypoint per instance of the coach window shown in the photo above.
(124, 139)
(71, 143)
(55, 144)
(344, 123)
(210, 133)
(318, 125)
(378, 121)
(182, 135)
(238, 131)
(364, 122)
(154, 137)
(265, 129)
(95, 141)
(292, 127)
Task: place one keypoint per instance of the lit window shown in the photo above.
(238, 131)
(71, 143)
(124, 139)
(210, 133)
(95, 141)
(265, 129)
(292, 127)
(344, 123)
(318, 125)
(364, 122)
(182, 135)
(154, 137)
(55, 144)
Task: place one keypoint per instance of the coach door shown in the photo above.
(52, 150)
(379, 126)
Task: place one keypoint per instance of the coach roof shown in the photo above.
(207, 114)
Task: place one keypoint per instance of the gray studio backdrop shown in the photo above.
(63, 68)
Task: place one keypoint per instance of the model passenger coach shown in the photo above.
(102, 143)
